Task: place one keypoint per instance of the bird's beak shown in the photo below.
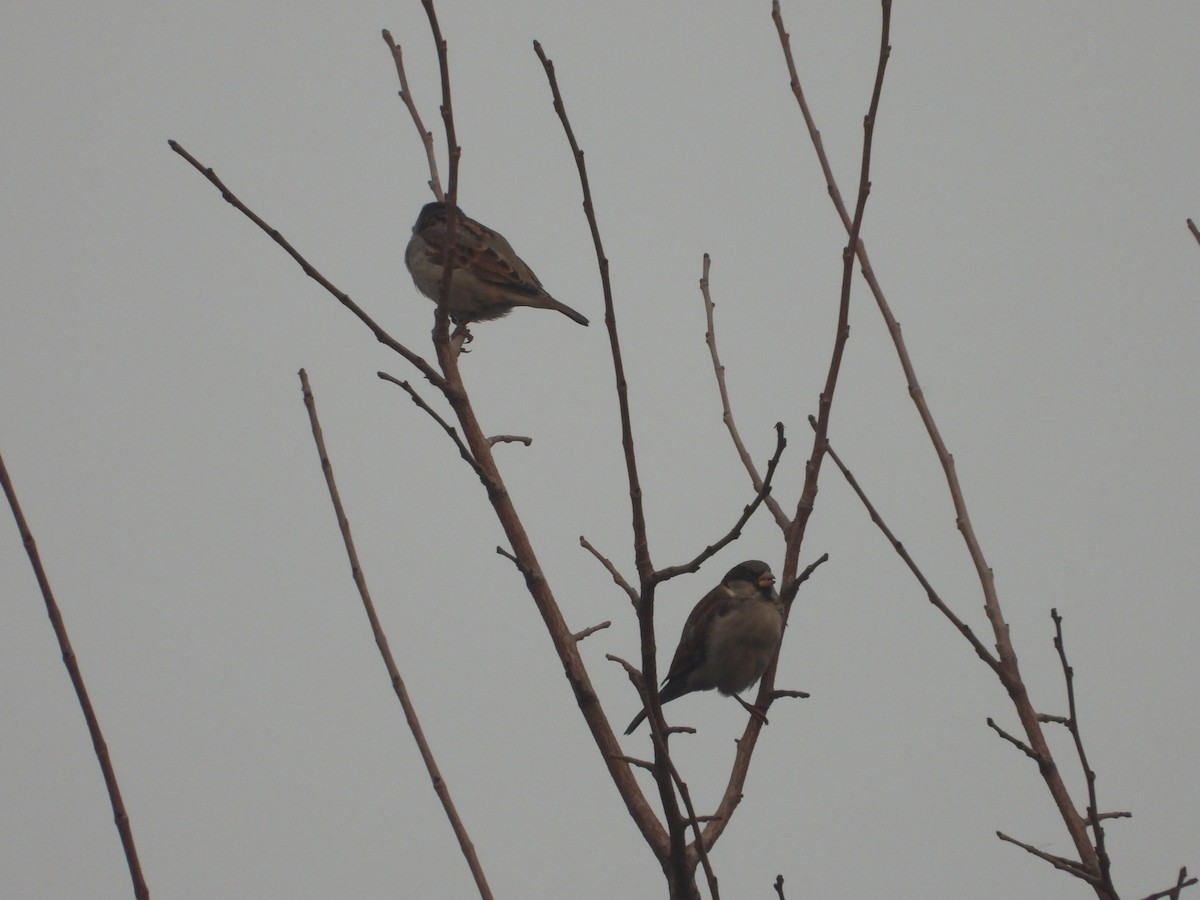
(766, 579)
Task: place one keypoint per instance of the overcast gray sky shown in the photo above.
(1034, 167)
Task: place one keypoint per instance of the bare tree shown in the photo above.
(679, 836)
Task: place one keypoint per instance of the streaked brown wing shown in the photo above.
(692, 648)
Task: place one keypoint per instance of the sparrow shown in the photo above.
(728, 639)
(487, 279)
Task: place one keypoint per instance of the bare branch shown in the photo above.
(981, 651)
(693, 822)
(511, 558)
(795, 532)
(1048, 718)
(510, 439)
(612, 570)
(779, 693)
(670, 849)
(75, 673)
(590, 630)
(710, 337)
(1105, 864)
(1173, 892)
(779, 886)
(447, 115)
(1020, 745)
(343, 298)
(1007, 670)
(790, 589)
(640, 545)
(735, 532)
(634, 761)
(446, 426)
(1196, 234)
(406, 95)
(1059, 862)
(410, 714)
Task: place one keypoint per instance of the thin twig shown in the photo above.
(426, 135)
(981, 651)
(590, 630)
(410, 714)
(447, 110)
(780, 693)
(1059, 862)
(1196, 234)
(343, 298)
(1046, 718)
(1019, 744)
(617, 577)
(779, 886)
(640, 545)
(710, 338)
(433, 414)
(1093, 808)
(693, 822)
(107, 771)
(510, 439)
(764, 491)
(1173, 892)
(804, 506)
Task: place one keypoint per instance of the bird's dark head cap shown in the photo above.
(753, 570)
(433, 212)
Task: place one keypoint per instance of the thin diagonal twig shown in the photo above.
(342, 297)
(710, 338)
(764, 492)
(410, 713)
(1016, 742)
(934, 598)
(463, 451)
(426, 135)
(120, 816)
(1059, 862)
(617, 577)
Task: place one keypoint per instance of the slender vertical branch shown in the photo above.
(120, 816)
(410, 713)
(678, 864)
(641, 549)
(795, 533)
(710, 338)
(1104, 865)
(435, 183)
(452, 148)
(1009, 672)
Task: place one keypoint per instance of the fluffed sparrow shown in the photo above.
(487, 278)
(728, 639)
